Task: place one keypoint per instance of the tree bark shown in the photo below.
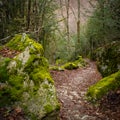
(67, 23)
(78, 23)
(28, 15)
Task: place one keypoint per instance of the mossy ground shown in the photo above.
(80, 62)
(105, 85)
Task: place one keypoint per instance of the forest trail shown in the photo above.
(71, 88)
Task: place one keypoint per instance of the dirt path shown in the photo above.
(71, 89)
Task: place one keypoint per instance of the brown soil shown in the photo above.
(71, 89)
(11, 114)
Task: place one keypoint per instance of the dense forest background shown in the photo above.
(65, 28)
(81, 41)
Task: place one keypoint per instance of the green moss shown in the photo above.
(16, 87)
(70, 66)
(3, 69)
(39, 75)
(15, 69)
(18, 63)
(29, 83)
(57, 68)
(13, 90)
(40, 61)
(15, 41)
(1, 47)
(4, 95)
(79, 62)
(20, 42)
(44, 62)
(16, 81)
(46, 86)
(59, 62)
(37, 68)
(48, 108)
(29, 64)
(105, 85)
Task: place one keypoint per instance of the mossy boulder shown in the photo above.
(108, 58)
(104, 86)
(25, 80)
(56, 68)
(70, 66)
(79, 62)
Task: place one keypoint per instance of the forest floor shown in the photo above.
(71, 88)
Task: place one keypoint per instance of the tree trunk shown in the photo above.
(78, 23)
(78, 47)
(67, 24)
(28, 15)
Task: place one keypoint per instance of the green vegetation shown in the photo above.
(26, 79)
(108, 58)
(48, 108)
(102, 27)
(3, 70)
(16, 88)
(80, 62)
(103, 34)
(23, 41)
(70, 66)
(107, 84)
(108, 61)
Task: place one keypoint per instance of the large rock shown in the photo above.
(108, 58)
(25, 81)
(103, 87)
(108, 61)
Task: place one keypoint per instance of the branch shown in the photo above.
(4, 39)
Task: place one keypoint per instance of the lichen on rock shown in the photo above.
(29, 84)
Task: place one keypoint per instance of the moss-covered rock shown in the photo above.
(57, 68)
(3, 68)
(108, 58)
(26, 80)
(70, 66)
(80, 62)
(107, 84)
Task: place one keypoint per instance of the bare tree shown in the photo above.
(28, 15)
(78, 23)
(77, 47)
(67, 21)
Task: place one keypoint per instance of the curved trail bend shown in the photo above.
(71, 88)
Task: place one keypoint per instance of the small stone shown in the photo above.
(87, 117)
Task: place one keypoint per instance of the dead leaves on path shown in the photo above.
(71, 88)
(7, 52)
